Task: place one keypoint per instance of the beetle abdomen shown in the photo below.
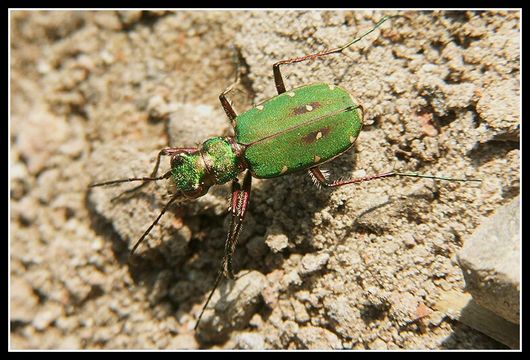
(298, 129)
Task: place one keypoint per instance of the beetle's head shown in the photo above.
(217, 161)
(189, 175)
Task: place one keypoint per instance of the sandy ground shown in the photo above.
(95, 95)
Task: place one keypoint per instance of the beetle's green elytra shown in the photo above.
(290, 109)
(297, 130)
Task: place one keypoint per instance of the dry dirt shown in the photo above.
(95, 95)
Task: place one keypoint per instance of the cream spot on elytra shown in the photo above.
(291, 93)
(308, 107)
(317, 158)
(259, 107)
(319, 135)
(352, 139)
(284, 170)
(331, 87)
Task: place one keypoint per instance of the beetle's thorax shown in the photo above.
(222, 159)
(217, 161)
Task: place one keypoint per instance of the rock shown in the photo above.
(316, 338)
(181, 291)
(300, 312)
(461, 306)
(313, 262)
(256, 247)
(108, 20)
(160, 286)
(47, 315)
(23, 300)
(157, 107)
(271, 292)
(498, 108)
(184, 341)
(256, 321)
(378, 344)
(39, 136)
(129, 17)
(275, 240)
(70, 342)
(291, 278)
(403, 307)
(250, 341)
(490, 262)
(231, 307)
(342, 314)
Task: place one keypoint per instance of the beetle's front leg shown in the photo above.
(238, 208)
(168, 151)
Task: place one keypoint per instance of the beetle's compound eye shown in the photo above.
(176, 160)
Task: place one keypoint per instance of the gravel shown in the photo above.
(95, 95)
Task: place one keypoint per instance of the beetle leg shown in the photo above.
(168, 151)
(280, 87)
(317, 175)
(238, 206)
(227, 105)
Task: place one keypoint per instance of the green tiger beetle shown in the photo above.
(297, 130)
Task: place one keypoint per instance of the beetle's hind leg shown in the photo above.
(321, 178)
(280, 86)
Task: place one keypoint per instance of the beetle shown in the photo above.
(297, 130)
